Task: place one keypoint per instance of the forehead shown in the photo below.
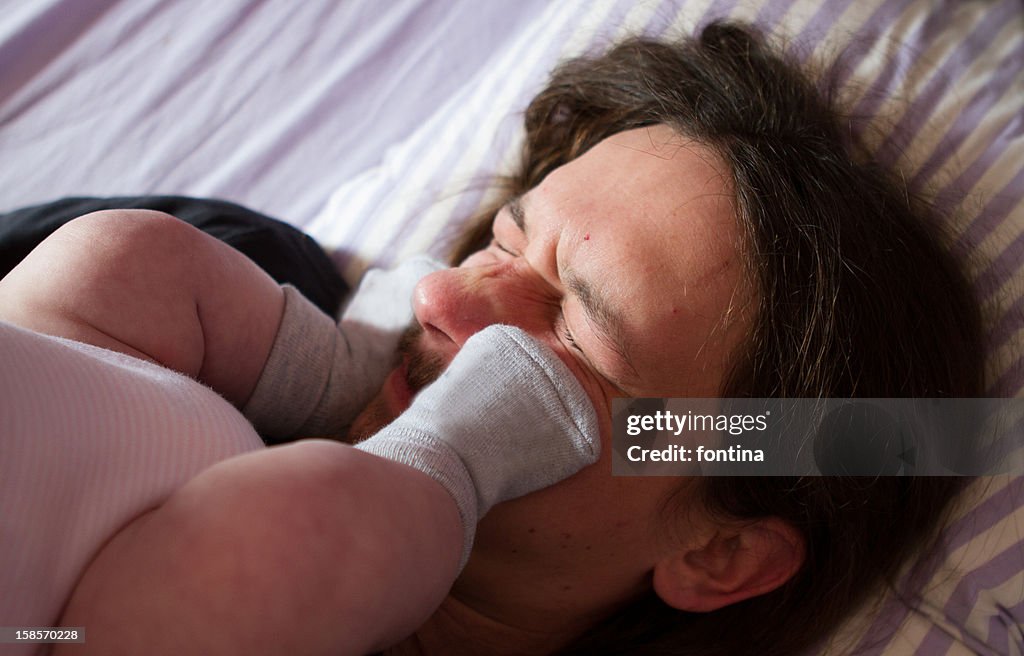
(647, 217)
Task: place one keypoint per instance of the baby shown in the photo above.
(140, 500)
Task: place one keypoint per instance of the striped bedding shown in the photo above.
(374, 127)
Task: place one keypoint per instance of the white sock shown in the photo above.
(321, 374)
(506, 418)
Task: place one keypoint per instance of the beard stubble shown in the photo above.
(422, 367)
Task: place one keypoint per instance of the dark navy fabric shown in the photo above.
(287, 254)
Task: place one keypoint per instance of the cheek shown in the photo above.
(591, 517)
(567, 511)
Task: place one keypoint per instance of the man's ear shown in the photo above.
(729, 564)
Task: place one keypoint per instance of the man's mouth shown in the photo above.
(420, 366)
(398, 393)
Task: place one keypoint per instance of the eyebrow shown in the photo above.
(515, 208)
(596, 307)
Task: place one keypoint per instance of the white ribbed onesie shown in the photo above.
(89, 439)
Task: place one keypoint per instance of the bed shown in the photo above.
(375, 126)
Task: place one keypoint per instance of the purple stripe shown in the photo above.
(965, 125)
(998, 456)
(985, 515)
(1001, 268)
(965, 597)
(998, 638)
(996, 272)
(920, 111)
(936, 641)
(954, 193)
(999, 628)
(827, 16)
(894, 71)
(815, 30)
(1011, 381)
(717, 11)
(660, 25)
(866, 38)
(887, 620)
(1004, 266)
(993, 509)
(990, 218)
(1011, 320)
(981, 518)
(772, 12)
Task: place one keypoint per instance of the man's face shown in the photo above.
(626, 263)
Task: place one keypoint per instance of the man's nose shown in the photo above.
(460, 302)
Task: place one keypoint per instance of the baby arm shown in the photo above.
(318, 547)
(146, 284)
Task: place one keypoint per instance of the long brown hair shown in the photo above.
(857, 297)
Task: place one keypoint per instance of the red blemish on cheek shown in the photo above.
(586, 237)
(675, 311)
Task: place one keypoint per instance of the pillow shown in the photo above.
(938, 92)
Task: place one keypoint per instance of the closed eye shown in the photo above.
(571, 340)
(502, 248)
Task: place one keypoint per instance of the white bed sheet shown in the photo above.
(270, 104)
